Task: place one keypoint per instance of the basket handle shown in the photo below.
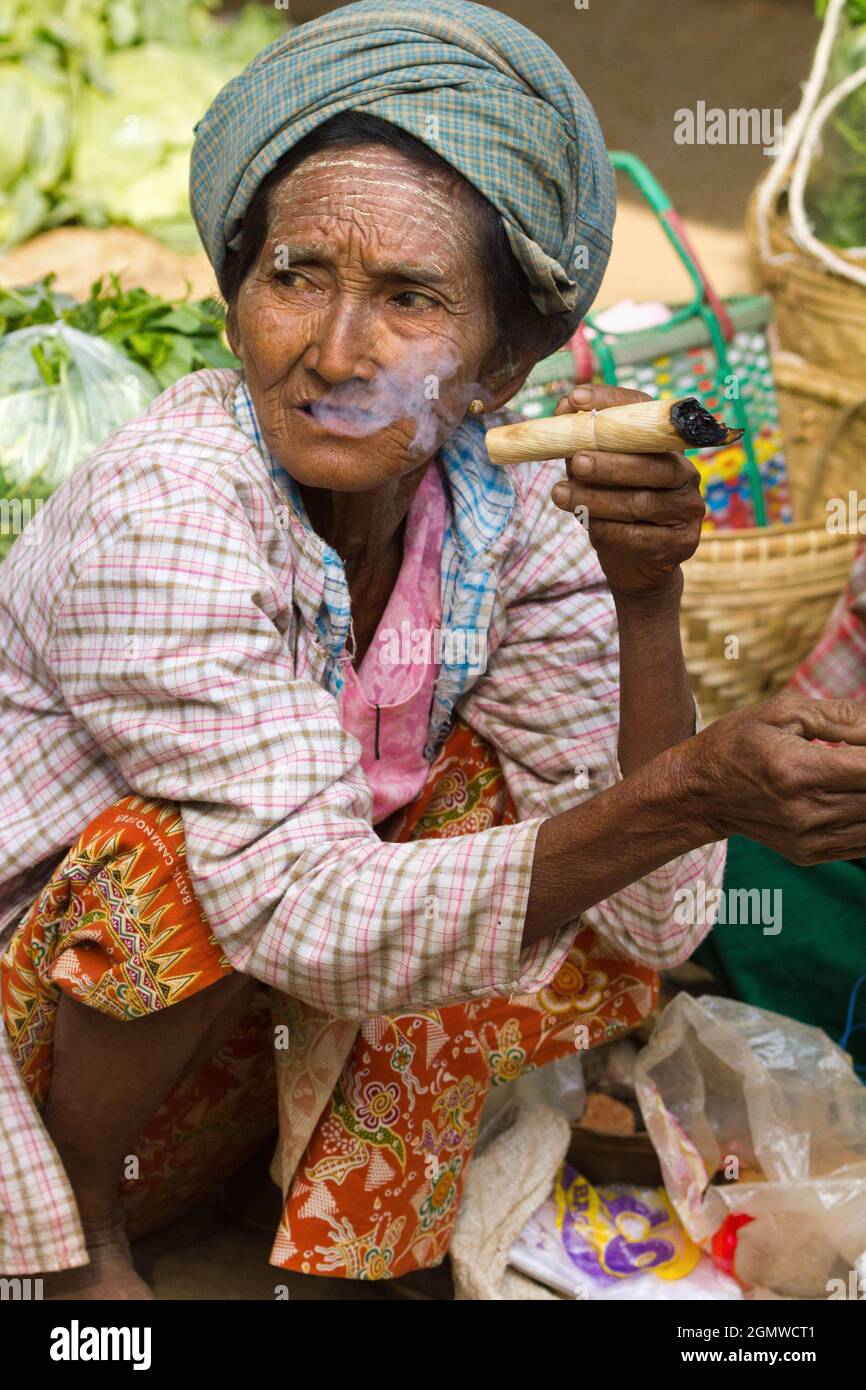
(800, 228)
(705, 297)
(800, 138)
(705, 304)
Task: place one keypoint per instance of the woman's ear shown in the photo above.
(232, 331)
(504, 382)
(508, 372)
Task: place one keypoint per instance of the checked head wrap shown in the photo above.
(474, 85)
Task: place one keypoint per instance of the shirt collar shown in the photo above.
(482, 495)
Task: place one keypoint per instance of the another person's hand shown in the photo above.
(761, 774)
(644, 510)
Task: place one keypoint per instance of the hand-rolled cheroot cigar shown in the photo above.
(647, 427)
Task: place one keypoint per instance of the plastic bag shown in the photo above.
(615, 1242)
(772, 1110)
(557, 1084)
(62, 392)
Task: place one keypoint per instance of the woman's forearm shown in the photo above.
(657, 709)
(584, 855)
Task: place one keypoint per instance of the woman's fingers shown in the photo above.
(661, 507)
(823, 844)
(763, 776)
(833, 721)
(632, 470)
(598, 397)
(835, 771)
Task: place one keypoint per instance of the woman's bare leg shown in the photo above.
(108, 1080)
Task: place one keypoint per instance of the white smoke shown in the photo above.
(409, 390)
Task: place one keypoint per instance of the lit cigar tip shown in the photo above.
(698, 428)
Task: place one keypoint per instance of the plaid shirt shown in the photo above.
(170, 631)
(836, 668)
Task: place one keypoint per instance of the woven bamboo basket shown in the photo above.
(823, 420)
(754, 604)
(818, 315)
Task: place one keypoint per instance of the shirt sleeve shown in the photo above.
(549, 703)
(177, 651)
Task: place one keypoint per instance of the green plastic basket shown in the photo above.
(713, 349)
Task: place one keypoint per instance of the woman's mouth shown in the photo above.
(341, 419)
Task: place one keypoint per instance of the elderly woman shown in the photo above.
(301, 690)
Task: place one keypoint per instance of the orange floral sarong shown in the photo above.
(375, 1192)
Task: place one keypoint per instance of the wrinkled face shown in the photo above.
(364, 327)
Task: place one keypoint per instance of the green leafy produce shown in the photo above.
(168, 338)
(855, 10)
(98, 99)
(76, 34)
(835, 197)
(37, 138)
(71, 373)
(130, 162)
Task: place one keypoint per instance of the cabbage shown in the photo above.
(136, 75)
(37, 136)
(131, 156)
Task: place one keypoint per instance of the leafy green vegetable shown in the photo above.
(71, 373)
(62, 392)
(835, 197)
(131, 157)
(167, 338)
(855, 10)
(138, 74)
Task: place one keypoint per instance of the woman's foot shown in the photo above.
(110, 1274)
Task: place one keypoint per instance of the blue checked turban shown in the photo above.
(477, 87)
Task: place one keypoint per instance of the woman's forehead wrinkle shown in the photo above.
(361, 201)
(383, 188)
(385, 175)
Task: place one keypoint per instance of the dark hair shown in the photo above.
(516, 317)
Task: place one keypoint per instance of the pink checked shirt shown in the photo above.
(160, 636)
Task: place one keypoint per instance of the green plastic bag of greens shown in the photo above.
(62, 392)
(835, 198)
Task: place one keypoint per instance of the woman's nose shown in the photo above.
(343, 343)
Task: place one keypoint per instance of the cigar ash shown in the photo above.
(699, 429)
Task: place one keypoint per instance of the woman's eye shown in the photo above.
(414, 299)
(291, 278)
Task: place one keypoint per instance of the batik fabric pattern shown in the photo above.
(383, 1132)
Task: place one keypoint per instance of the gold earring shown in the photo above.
(476, 407)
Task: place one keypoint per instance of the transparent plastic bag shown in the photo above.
(558, 1085)
(773, 1112)
(62, 392)
(835, 197)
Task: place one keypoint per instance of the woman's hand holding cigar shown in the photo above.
(643, 511)
(764, 772)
